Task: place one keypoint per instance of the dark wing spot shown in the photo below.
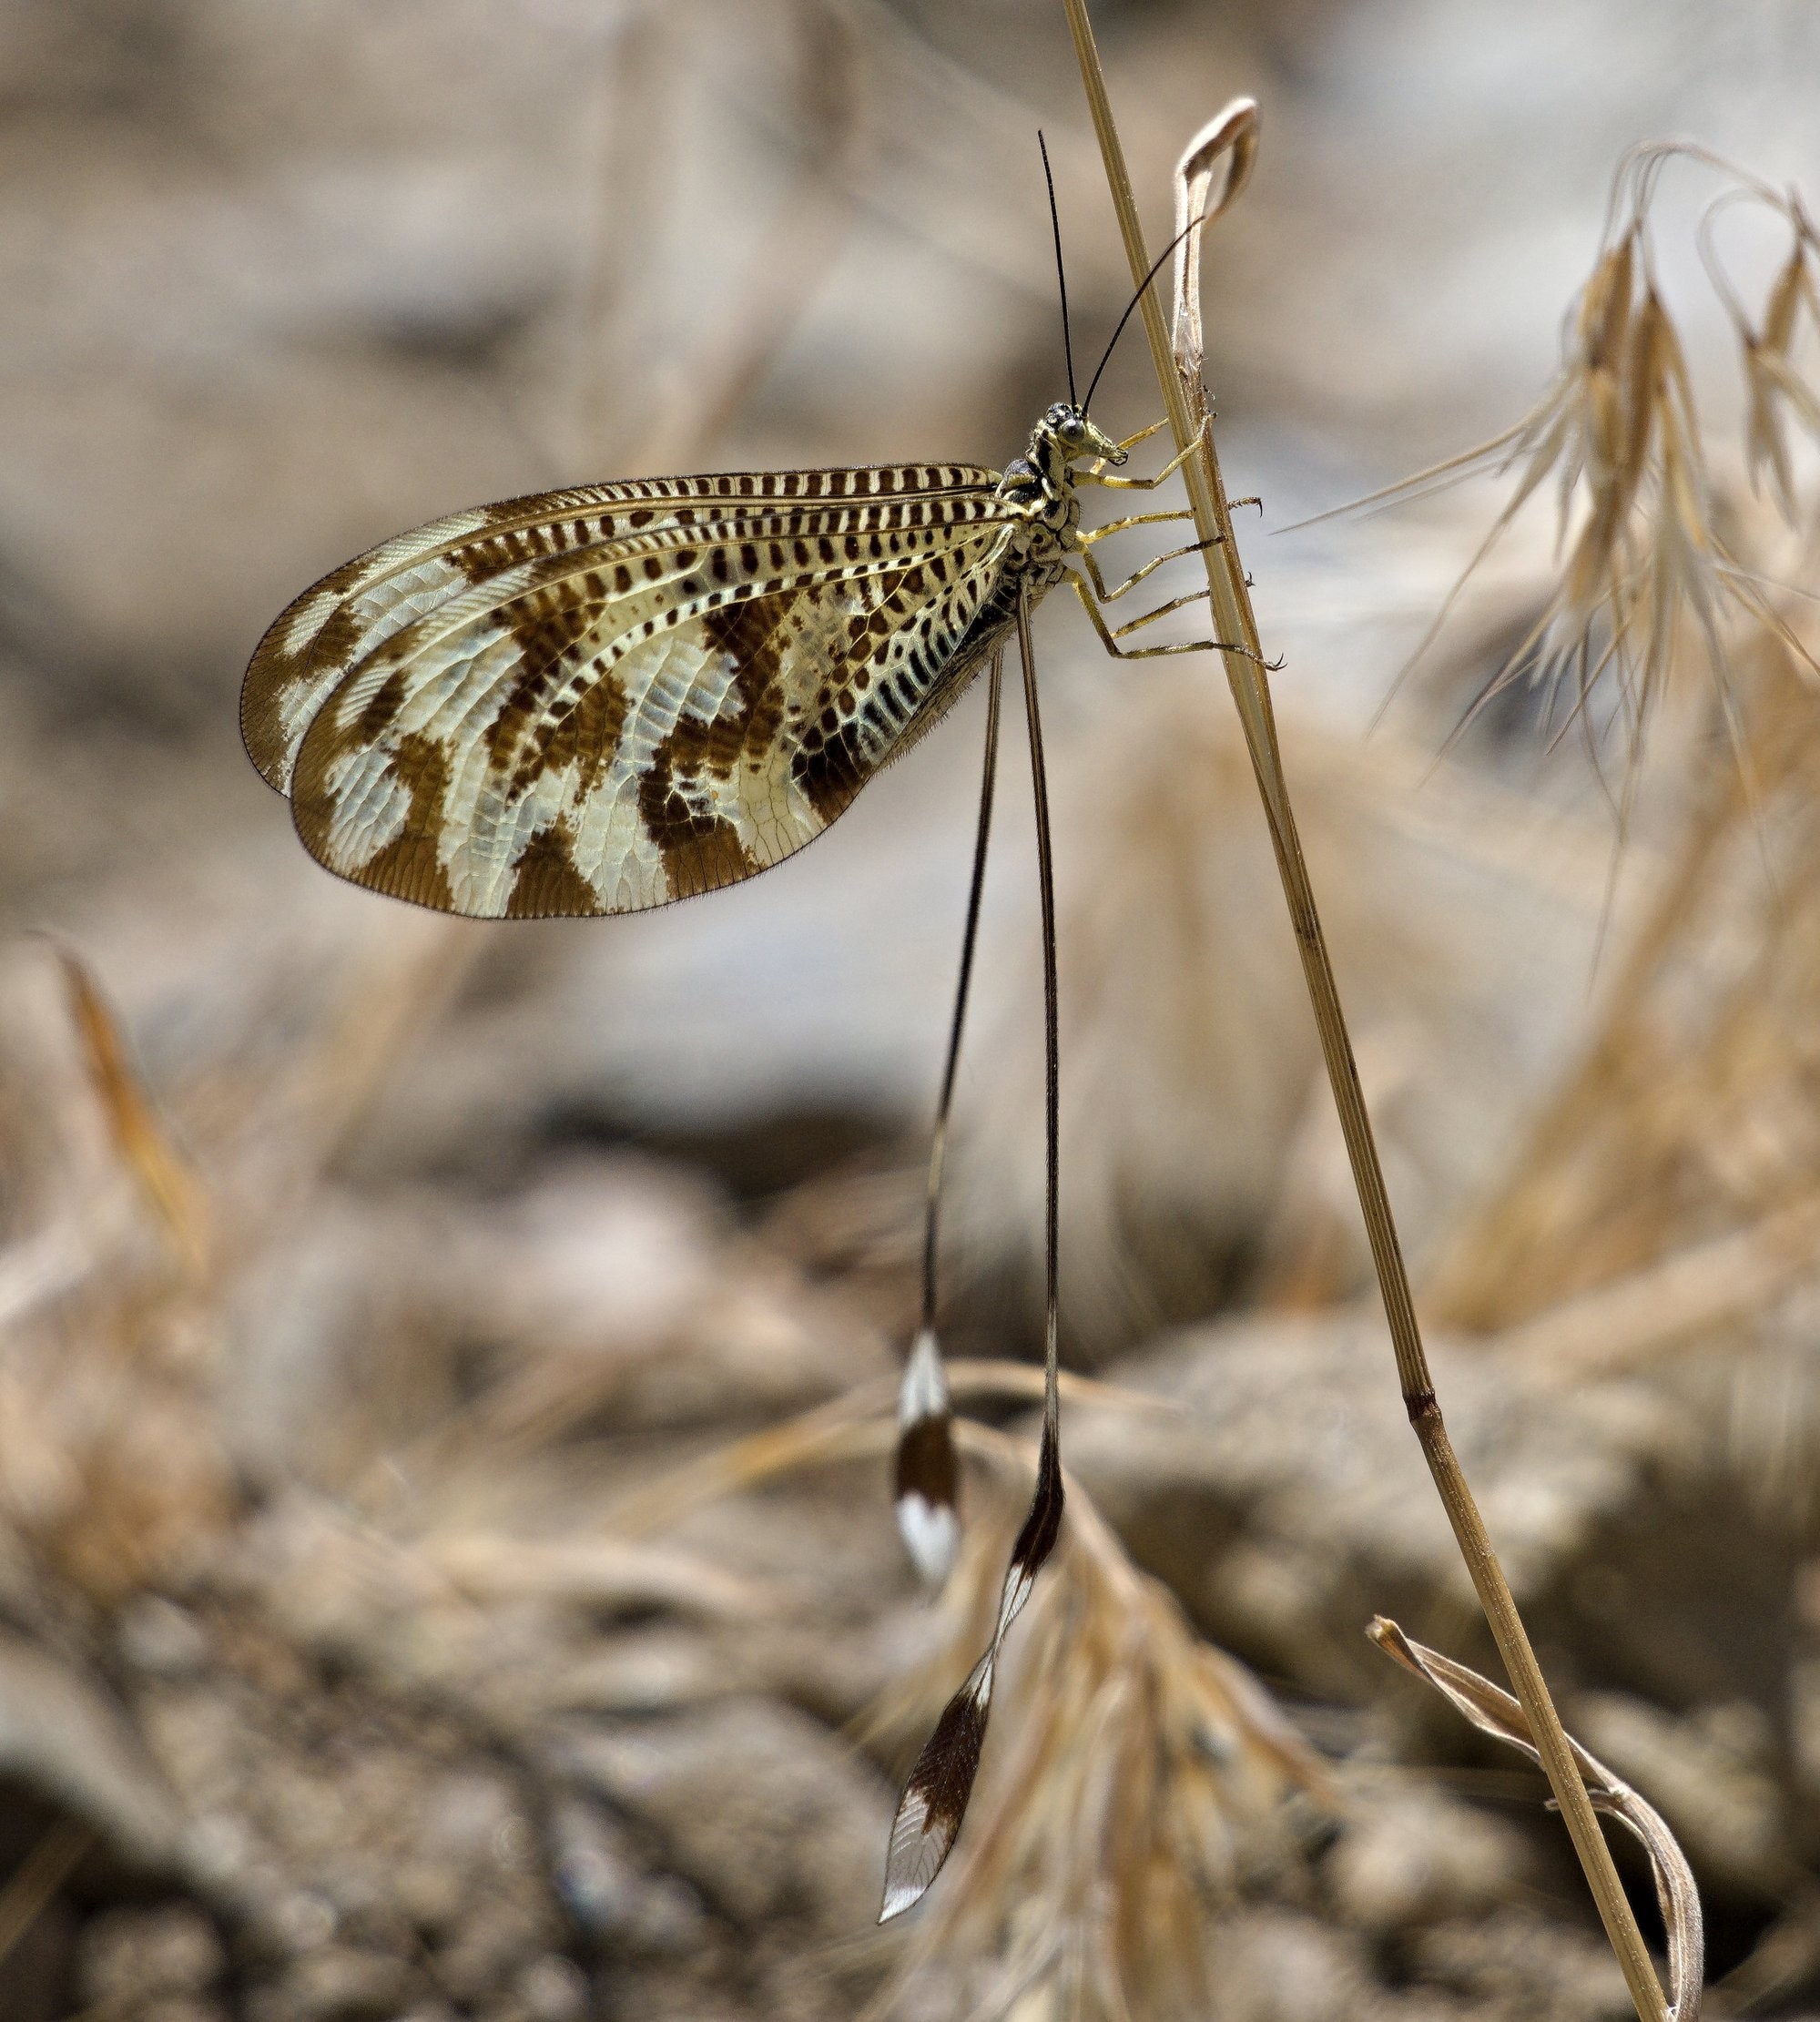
(383, 706)
(408, 866)
(833, 772)
(700, 852)
(548, 883)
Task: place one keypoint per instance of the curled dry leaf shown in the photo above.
(1232, 134)
(1494, 1711)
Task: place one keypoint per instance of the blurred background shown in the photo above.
(446, 1560)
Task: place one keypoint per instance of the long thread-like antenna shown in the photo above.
(1061, 272)
(1193, 224)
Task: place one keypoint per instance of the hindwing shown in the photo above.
(598, 700)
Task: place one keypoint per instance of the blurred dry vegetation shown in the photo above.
(446, 1566)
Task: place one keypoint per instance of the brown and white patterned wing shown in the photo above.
(598, 701)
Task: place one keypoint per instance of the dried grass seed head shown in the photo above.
(1618, 433)
(1135, 1782)
(1647, 577)
(1776, 391)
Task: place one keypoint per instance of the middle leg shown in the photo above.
(1106, 595)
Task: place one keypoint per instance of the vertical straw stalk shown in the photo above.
(1179, 376)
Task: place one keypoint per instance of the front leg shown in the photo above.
(1131, 442)
(1095, 475)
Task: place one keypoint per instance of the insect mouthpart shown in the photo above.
(1094, 441)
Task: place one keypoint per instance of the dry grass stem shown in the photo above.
(1186, 403)
(1687, 1295)
(1778, 392)
(822, 1434)
(170, 1187)
(1683, 1119)
(38, 1877)
(596, 1571)
(799, 242)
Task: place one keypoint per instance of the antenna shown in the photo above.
(1193, 224)
(1061, 274)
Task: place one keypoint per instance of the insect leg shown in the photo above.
(935, 1797)
(1135, 519)
(1144, 434)
(1092, 474)
(1132, 580)
(1161, 611)
(1110, 639)
(925, 1463)
(1131, 442)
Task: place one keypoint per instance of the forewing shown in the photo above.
(312, 646)
(579, 713)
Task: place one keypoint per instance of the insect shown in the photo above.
(602, 699)
(607, 699)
